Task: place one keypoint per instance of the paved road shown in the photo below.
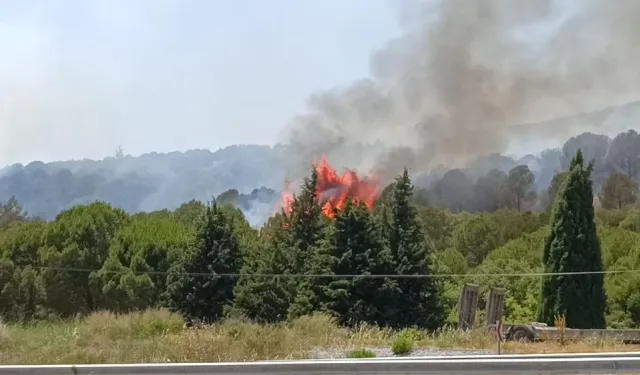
(614, 363)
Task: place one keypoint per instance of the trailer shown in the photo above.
(532, 332)
(535, 332)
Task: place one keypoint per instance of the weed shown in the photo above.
(413, 334)
(561, 325)
(361, 353)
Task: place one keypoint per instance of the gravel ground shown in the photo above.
(328, 353)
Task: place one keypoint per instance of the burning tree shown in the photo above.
(334, 189)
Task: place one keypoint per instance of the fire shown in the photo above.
(335, 189)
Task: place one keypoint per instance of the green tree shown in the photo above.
(11, 212)
(358, 249)
(521, 186)
(573, 246)
(416, 300)
(618, 191)
(490, 191)
(309, 248)
(628, 218)
(475, 236)
(311, 291)
(519, 256)
(513, 224)
(22, 292)
(76, 246)
(202, 286)
(454, 191)
(246, 235)
(620, 251)
(267, 299)
(624, 154)
(450, 262)
(190, 213)
(555, 185)
(134, 274)
(228, 197)
(438, 226)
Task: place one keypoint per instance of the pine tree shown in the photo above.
(573, 246)
(309, 249)
(267, 299)
(304, 224)
(417, 300)
(358, 249)
(311, 292)
(196, 289)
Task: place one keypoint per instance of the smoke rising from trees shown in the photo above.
(465, 74)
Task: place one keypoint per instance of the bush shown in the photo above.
(413, 334)
(402, 344)
(361, 353)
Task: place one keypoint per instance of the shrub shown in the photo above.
(402, 344)
(361, 353)
(413, 334)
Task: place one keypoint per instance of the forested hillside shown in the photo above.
(164, 181)
(145, 183)
(207, 262)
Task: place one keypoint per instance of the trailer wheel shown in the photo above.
(521, 334)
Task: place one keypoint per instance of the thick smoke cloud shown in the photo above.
(465, 75)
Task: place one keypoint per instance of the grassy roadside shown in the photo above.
(159, 336)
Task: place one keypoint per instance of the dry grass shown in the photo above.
(594, 345)
(4, 330)
(159, 336)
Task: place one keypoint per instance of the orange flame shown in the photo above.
(336, 189)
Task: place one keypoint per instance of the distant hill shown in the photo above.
(608, 121)
(145, 183)
(157, 181)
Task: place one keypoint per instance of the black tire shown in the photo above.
(521, 334)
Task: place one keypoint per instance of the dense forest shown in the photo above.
(400, 263)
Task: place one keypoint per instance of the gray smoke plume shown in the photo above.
(465, 73)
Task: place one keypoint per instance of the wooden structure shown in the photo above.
(467, 306)
(495, 306)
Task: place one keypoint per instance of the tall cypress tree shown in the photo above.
(358, 249)
(417, 300)
(573, 246)
(196, 288)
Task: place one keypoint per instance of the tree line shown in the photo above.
(401, 264)
(205, 261)
(155, 181)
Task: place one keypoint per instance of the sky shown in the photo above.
(79, 78)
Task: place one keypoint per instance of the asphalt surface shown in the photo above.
(600, 363)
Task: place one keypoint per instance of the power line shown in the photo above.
(334, 276)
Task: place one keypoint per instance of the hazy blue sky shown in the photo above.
(80, 77)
